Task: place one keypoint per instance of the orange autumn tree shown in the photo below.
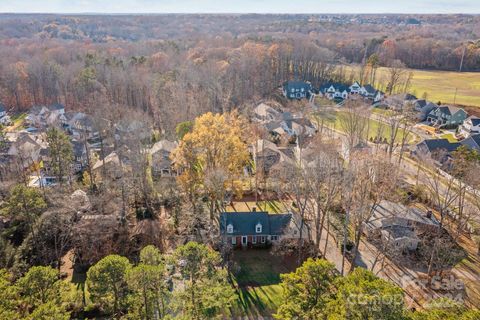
(211, 158)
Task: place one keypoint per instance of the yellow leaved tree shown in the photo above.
(211, 158)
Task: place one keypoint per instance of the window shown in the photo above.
(293, 90)
(262, 238)
(274, 238)
(230, 228)
(254, 239)
(258, 228)
(303, 89)
(234, 240)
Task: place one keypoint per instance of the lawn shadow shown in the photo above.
(256, 278)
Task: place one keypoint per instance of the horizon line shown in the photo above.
(243, 13)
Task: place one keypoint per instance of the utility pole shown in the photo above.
(463, 57)
(455, 96)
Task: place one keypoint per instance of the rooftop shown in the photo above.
(244, 223)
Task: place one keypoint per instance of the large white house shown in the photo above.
(469, 127)
(355, 88)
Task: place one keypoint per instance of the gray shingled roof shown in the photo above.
(440, 144)
(244, 222)
(56, 106)
(370, 89)
(297, 85)
(475, 120)
(473, 142)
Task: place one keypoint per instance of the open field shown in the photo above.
(441, 85)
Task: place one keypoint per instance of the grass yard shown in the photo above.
(450, 137)
(332, 119)
(382, 112)
(258, 290)
(441, 85)
(321, 101)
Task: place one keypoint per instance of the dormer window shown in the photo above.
(230, 228)
(258, 228)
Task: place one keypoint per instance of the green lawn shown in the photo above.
(450, 137)
(333, 120)
(258, 290)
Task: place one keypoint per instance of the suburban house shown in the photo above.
(264, 112)
(440, 149)
(472, 142)
(79, 155)
(333, 91)
(161, 164)
(267, 155)
(40, 116)
(379, 96)
(297, 89)
(290, 125)
(424, 107)
(469, 127)
(258, 229)
(79, 123)
(56, 108)
(447, 116)
(368, 91)
(28, 148)
(399, 101)
(4, 119)
(399, 227)
(3, 111)
(111, 166)
(355, 88)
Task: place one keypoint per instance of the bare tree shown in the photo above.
(374, 180)
(354, 123)
(395, 74)
(443, 194)
(324, 173)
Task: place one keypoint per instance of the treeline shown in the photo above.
(187, 284)
(416, 39)
(191, 283)
(170, 81)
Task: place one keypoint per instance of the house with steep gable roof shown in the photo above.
(447, 116)
(469, 127)
(297, 89)
(160, 152)
(257, 229)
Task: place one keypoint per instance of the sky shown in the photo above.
(240, 6)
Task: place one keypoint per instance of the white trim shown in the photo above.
(234, 240)
(244, 243)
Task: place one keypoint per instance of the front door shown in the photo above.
(244, 240)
